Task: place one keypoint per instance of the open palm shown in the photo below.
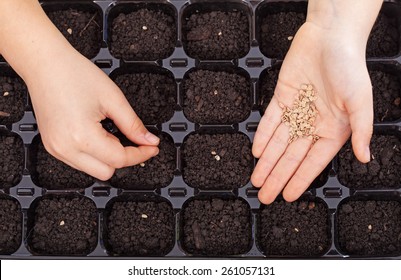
(337, 70)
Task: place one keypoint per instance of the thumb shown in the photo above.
(120, 111)
(360, 111)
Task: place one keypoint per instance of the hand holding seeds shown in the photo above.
(321, 96)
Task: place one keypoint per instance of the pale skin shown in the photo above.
(328, 52)
(70, 95)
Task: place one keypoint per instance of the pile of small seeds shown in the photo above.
(301, 117)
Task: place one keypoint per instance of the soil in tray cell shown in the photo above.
(143, 35)
(279, 22)
(216, 35)
(369, 228)
(63, 225)
(301, 228)
(267, 83)
(152, 96)
(216, 97)
(216, 227)
(386, 95)
(51, 173)
(11, 160)
(383, 171)
(11, 226)
(156, 172)
(217, 161)
(13, 94)
(82, 29)
(140, 228)
(384, 38)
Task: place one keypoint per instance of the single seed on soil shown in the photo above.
(144, 27)
(220, 33)
(142, 164)
(311, 205)
(217, 157)
(6, 93)
(215, 92)
(62, 223)
(213, 153)
(69, 30)
(4, 114)
(144, 216)
(296, 229)
(290, 38)
(370, 227)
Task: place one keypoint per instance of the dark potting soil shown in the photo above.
(140, 228)
(384, 37)
(153, 96)
(277, 32)
(216, 227)
(216, 97)
(11, 160)
(81, 28)
(217, 161)
(63, 225)
(386, 96)
(13, 95)
(143, 35)
(10, 226)
(216, 35)
(267, 83)
(383, 171)
(301, 228)
(370, 228)
(156, 172)
(51, 173)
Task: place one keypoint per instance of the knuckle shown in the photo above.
(105, 174)
(292, 157)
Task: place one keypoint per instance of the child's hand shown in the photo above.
(334, 63)
(70, 98)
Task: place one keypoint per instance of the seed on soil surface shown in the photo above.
(217, 157)
(144, 216)
(62, 223)
(69, 30)
(213, 153)
(6, 93)
(370, 227)
(296, 229)
(311, 205)
(220, 33)
(142, 164)
(4, 114)
(290, 38)
(215, 92)
(144, 27)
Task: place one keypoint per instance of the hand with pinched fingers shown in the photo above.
(336, 71)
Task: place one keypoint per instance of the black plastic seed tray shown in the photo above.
(200, 74)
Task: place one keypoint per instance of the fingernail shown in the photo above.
(153, 139)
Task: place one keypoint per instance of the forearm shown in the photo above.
(352, 17)
(28, 39)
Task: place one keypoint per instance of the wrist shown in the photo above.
(354, 19)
